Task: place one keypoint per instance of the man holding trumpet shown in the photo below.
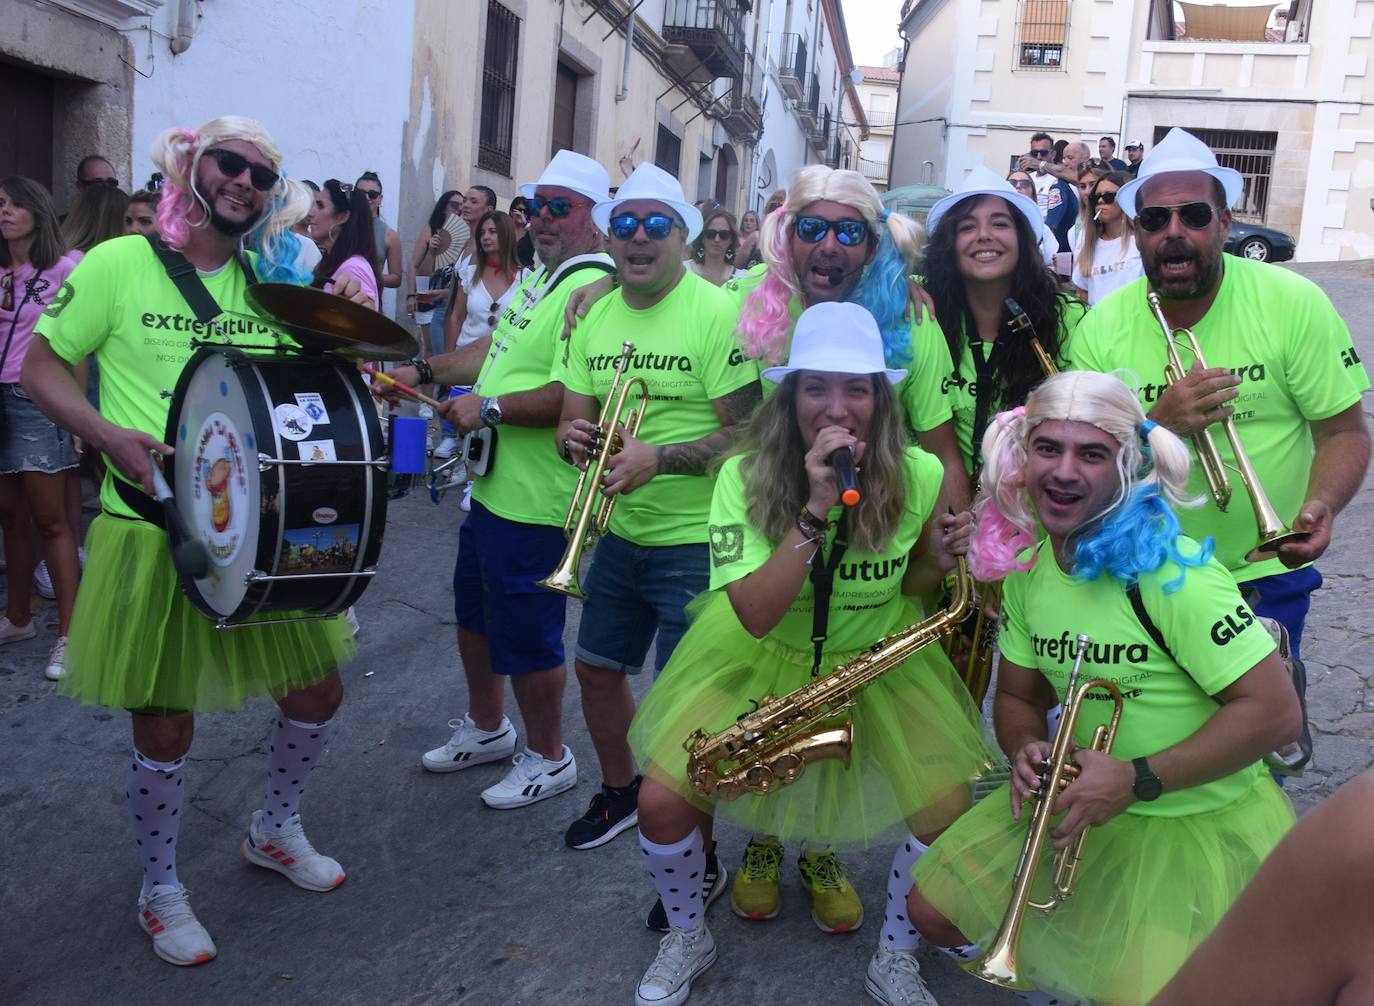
(699, 388)
(1277, 363)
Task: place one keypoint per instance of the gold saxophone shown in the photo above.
(771, 746)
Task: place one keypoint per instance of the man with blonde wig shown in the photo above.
(136, 642)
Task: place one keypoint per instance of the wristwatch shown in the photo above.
(491, 411)
(1147, 785)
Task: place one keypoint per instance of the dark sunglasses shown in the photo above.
(1042, 154)
(559, 207)
(813, 230)
(657, 226)
(711, 234)
(1108, 198)
(372, 193)
(1022, 184)
(111, 182)
(455, 204)
(1195, 216)
(231, 165)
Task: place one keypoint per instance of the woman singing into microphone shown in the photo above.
(790, 563)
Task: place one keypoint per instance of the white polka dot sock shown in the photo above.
(291, 753)
(963, 953)
(898, 933)
(155, 791)
(676, 872)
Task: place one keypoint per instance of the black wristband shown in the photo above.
(424, 373)
(811, 526)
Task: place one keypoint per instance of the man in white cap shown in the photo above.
(1279, 363)
(507, 626)
(1135, 154)
(654, 559)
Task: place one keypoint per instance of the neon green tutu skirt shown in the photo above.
(137, 643)
(918, 741)
(1149, 890)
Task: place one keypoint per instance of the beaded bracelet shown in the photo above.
(424, 373)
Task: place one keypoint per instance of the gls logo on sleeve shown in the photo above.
(1232, 626)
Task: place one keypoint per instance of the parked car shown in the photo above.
(1263, 244)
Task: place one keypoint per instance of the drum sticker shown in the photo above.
(293, 422)
(313, 405)
(219, 488)
(319, 549)
(324, 515)
(317, 450)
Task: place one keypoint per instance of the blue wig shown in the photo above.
(1139, 536)
(883, 292)
(278, 247)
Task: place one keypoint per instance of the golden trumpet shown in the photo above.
(999, 965)
(1273, 532)
(589, 514)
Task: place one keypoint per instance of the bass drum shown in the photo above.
(280, 469)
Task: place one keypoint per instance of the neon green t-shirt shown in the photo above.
(119, 304)
(1205, 624)
(963, 382)
(866, 603)
(686, 352)
(1297, 364)
(923, 393)
(528, 481)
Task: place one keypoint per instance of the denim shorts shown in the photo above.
(633, 592)
(496, 595)
(436, 328)
(29, 440)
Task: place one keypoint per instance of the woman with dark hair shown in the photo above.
(775, 517)
(520, 216)
(984, 247)
(141, 215)
(97, 216)
(715, 250)
(1107, 259)
(427, 296)
(35, 453)
(341, 224)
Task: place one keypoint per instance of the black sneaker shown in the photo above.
(712, 887)
(610, 812)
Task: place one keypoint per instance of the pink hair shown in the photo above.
(177, 202)
(765, 319)
(1005, 526)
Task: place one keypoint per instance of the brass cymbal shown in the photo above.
(322, 321)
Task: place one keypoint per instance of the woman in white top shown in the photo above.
(486, 286)
(1108, 258)
(713, 252)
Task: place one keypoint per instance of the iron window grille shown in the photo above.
(498, 89)
(1250, 153)
(1042, 34)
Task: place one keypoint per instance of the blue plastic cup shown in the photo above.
(408, 444)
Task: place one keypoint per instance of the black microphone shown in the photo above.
(836, 276)
(846, 475)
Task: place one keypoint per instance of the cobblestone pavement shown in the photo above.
(448, 902)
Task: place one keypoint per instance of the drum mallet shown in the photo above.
(189, 554)
(404, 389)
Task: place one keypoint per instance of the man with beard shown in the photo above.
(136, 642)
(1280, 364)
(654, 559)
(507, 626)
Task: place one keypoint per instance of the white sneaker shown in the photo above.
(290, 853)
(11, 633)
(447, 448)
(42, 581)
(466, 504)
(425, 411)
(682, 955)
(532, 778)
(469, 746)
(894, 979)
(57, 660)
(178, 937)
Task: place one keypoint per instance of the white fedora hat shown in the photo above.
(571, 170)
(835, 338)
(649, 181)
(1179, 151)
(983, 181)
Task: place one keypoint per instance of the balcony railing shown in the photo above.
(821, 132)
(711, 29)
(744, 115)
(873, 169)
(809, 106)
(792, 67)
(881, 120)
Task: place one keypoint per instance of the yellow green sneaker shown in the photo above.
(835, 905)
(755, 893)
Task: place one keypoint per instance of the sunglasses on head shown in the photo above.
(231, 165)
(813, 230)
(1195, 216)
(559, 206)
(657, 226)
(1107, 198)
(711, 233)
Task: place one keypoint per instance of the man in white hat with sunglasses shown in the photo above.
(1279, 363)
(507, 626)
(654, 558)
